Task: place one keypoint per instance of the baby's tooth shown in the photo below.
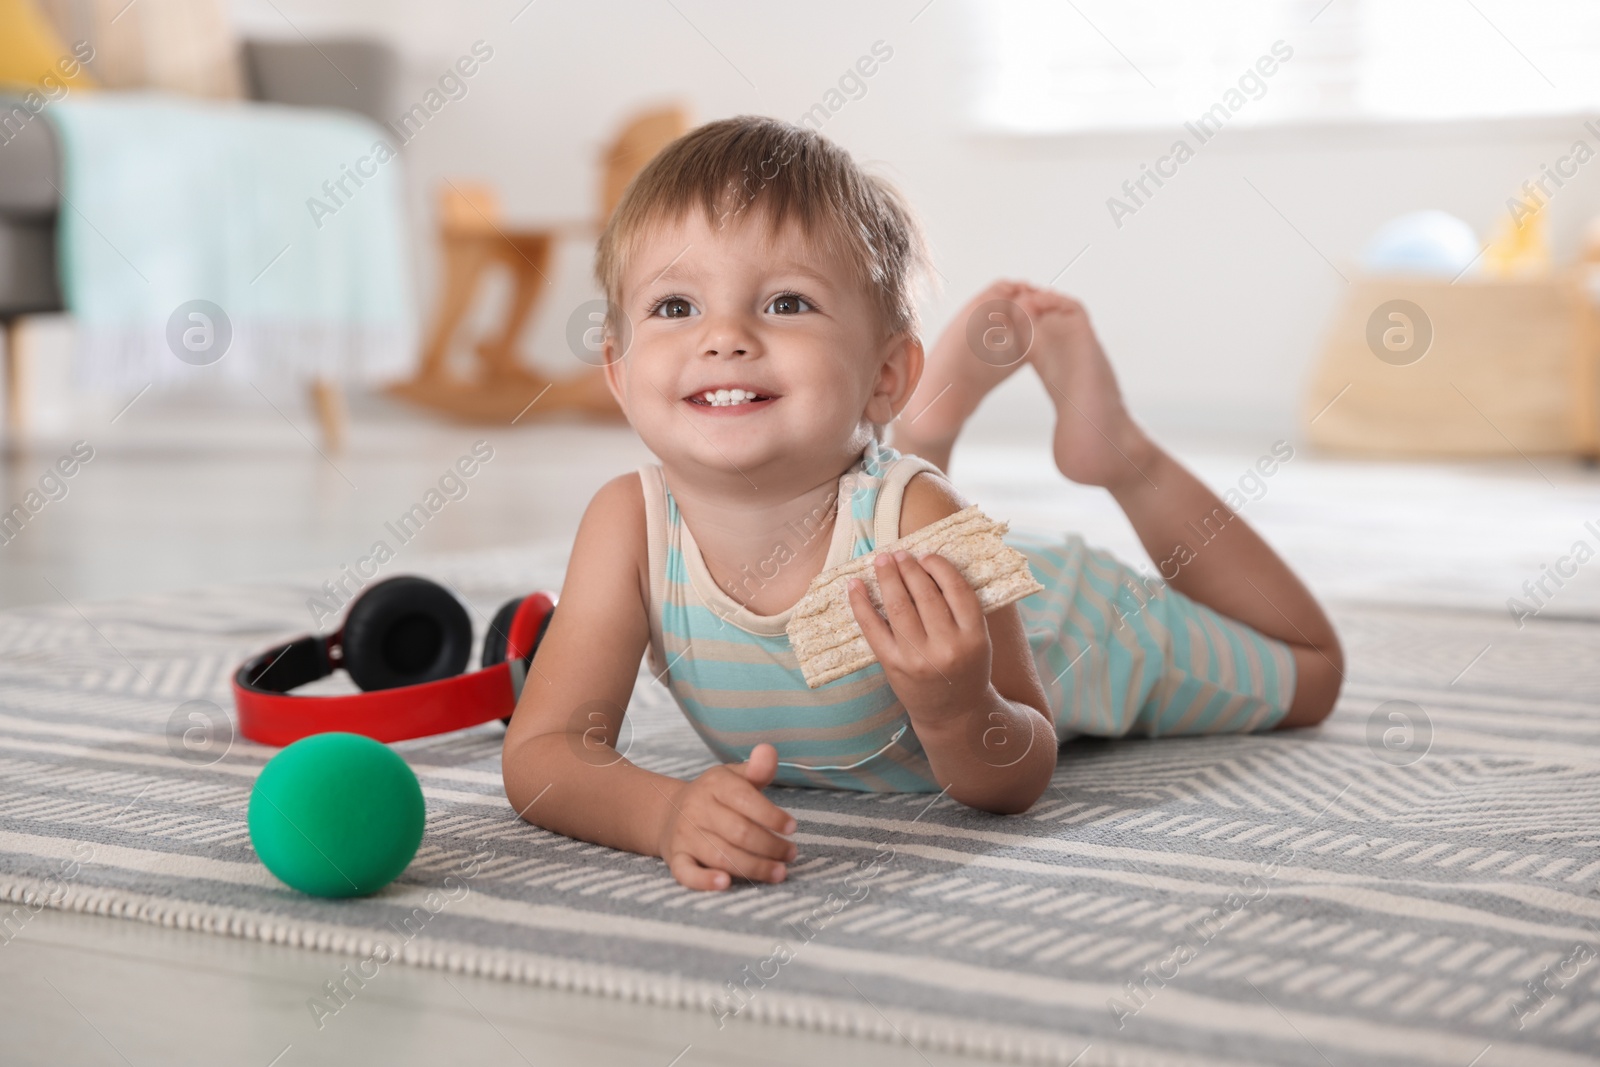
(722, 396)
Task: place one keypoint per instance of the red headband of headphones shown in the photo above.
(405, 642)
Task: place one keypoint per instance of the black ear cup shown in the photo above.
(405, 631)
(506, 622)
(502, 626)
(494, 642)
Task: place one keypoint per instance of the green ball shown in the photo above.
(336, 815)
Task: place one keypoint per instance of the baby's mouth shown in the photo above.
(728, 398)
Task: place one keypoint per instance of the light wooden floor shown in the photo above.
(181, 495)
(86, 990)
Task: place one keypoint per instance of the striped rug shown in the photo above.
(1413, 883)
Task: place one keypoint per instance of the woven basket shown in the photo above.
(1415, 367)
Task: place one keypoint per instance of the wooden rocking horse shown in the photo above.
(473, 240)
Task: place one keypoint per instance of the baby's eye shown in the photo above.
(790, 304)
(676, 307)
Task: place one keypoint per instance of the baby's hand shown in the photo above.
(720, 825)
(935, 645)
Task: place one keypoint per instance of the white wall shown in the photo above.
(1209, 301)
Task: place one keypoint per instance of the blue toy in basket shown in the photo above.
(1431, 244)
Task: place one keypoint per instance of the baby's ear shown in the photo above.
(612, 369)
(897, 378)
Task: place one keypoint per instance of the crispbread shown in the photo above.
(823, 630)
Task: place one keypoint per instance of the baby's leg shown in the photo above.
(1223, 563)
(1121, 654)
(985, 342)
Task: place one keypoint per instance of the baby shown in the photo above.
(761, 337)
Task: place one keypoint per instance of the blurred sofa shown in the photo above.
(307, 74)
(320, 74)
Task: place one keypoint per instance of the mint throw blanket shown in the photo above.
(289, 220)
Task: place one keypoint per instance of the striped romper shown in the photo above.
(1119, 653)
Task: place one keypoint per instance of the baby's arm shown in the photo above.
(967, 679)
(1235, 572)
(560, 764)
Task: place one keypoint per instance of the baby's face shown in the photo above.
(748, 358)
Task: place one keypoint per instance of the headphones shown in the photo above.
(405, 641)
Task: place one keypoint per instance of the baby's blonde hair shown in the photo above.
(754, 165)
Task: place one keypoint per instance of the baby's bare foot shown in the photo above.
(1096, 441)
(982, 346)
